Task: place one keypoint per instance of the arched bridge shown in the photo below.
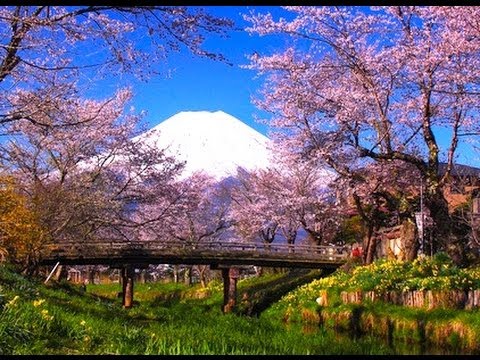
(227, 256)
(212, 253)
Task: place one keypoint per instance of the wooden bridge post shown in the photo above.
(128, 274)
(226, 286)
(230, 276)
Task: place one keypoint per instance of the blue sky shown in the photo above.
(203, 84)
(199, 84)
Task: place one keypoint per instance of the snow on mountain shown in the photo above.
(214, 142)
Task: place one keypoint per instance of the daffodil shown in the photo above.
(46, 315)
(38, 302)
(12, 302)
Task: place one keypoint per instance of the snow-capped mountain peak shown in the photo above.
(214, 142)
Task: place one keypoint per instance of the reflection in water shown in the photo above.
(396, 346)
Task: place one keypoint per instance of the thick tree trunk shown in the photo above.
(370, 223)
(188, 275)
(314, 237)
(91, 274)
(291, 244)
(290, 235)
(444, 237)
(369, 245)
(410, 242)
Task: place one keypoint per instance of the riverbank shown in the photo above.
(64, 319)
(168, 318)
(428, 304)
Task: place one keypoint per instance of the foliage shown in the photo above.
(21, 234)
(356, 87)
(351, 230)
(290, 195)
(65, 320)
(200, 212)
(49, 49)
(256, 298)
(72, 153)
(449, 329)
(436, 273)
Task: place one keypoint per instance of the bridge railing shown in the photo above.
(335, 253)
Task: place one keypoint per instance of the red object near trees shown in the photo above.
(374, 87)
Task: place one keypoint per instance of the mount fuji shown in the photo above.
(214, 142)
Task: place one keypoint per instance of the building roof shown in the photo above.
(460, 170)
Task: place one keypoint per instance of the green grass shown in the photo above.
(448, 329)
(62, 319)
(169, 318)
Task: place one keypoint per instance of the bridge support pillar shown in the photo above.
(128, 274)
(230, 276)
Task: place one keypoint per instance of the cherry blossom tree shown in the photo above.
(357, 86)
(306, 197)
(198, 212)
(73, 155)
(201, 212)
(254, 207)
(291, 195)
(83, 44)
(83, 174)
(384, 195)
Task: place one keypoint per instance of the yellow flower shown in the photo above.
(82, 322)
(46, 316)
(38, 302)
(13, 301)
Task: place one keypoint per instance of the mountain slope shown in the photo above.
(214, 142)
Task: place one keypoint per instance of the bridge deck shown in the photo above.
(120, 253)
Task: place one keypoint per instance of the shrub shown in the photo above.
(426, 273)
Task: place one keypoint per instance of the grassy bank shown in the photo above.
(445, 329)
(63, 319)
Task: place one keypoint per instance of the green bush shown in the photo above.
(427, 273)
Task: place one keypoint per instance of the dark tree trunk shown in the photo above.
(444, 237)
(290, 235)
(369, 245)
(370, 222)
(313, 236)
(409, 238)
(91, 274)
(268, 235)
